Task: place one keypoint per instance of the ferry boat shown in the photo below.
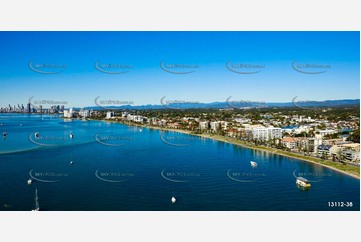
(303, 182)
(253, 163)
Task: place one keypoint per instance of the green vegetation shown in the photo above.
(355, 136)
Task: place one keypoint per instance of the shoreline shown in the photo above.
(244, 145)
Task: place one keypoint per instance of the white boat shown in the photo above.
(37, 135)
(71, 136)
(37, 208)
(303, 182)
(4, 134)
(253, 163)
(71, 162)
(173, 199)
(30, 181)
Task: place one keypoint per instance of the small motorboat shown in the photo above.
(37, 135)
(71, 162)
(30, 181)
(71, 136)
(4, 134)
(253, 163)
(303, 182)
(173, 199)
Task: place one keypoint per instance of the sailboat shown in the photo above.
(36, 201)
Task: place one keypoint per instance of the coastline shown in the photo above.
(248, 146)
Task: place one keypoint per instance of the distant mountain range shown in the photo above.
(235, 104)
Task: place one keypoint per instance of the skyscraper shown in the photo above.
(28, 108)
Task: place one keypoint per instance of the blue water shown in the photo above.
(118, 167)
(290, 127)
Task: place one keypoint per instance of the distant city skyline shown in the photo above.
(178, 104)
(143, 67)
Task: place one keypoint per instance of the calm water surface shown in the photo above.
(119, 167)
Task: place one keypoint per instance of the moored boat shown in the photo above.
(253, 163)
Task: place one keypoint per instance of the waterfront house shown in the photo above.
(351, 155)
(323, 150)
(289, 142)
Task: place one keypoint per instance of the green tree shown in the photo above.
(355, 136)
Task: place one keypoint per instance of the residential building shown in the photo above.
(215, 126)
(274, 133)
(313, 143)
(174, 125)
(203, 125)
(351, 155)
(289, 142)
(109, 115)
(332, 141)
(326, 132)
(262, 133)
(84, 113)
(68, 113)
(324, 150)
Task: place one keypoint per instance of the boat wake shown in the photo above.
(10, 152)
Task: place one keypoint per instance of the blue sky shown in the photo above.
(146, 83)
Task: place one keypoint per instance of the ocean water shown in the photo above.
(114, 167)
